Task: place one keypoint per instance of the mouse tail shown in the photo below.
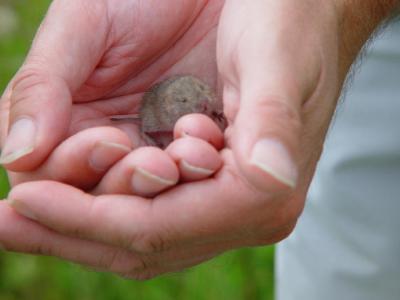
(126, 118)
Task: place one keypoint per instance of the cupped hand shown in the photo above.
(282, 70)
(93, 60)
(103, 57)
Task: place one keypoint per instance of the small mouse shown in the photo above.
(167, 101)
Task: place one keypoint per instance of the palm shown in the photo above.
(145, 47)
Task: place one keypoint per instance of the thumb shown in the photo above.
(36, 106)
(267, 130)
(270, 65)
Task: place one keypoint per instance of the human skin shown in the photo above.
(83, 159)
(281, 66)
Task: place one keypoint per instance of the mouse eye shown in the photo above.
(184, 100)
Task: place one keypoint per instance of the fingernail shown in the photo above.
(21, 208)
(105, 154)
(186, 167)
(20, 141)
(273, 158)
(148, 183)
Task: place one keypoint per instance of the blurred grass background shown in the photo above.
(244, 274)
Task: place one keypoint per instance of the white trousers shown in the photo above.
(347, 242)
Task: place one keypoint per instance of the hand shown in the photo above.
(282, 72)
(57, 108)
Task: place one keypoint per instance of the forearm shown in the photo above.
(358, 19)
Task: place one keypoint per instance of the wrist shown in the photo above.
(358, 19)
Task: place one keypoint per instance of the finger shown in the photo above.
(82, 159)
(145, 172)
(89, 211)
(20, 234)
(195, 158)
(267, 148)
(39, 98)
(200, 126)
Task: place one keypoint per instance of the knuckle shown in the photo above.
(149, 243)
(128, 264)
(139, 239)
(35, 80)
(283, 111)
(107, 260)
(139, 265)
(96, 208)
(28, 78)
(123, 262)
(23, 85)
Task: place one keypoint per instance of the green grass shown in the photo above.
(243, 274)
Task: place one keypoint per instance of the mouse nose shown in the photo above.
(220, 119)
